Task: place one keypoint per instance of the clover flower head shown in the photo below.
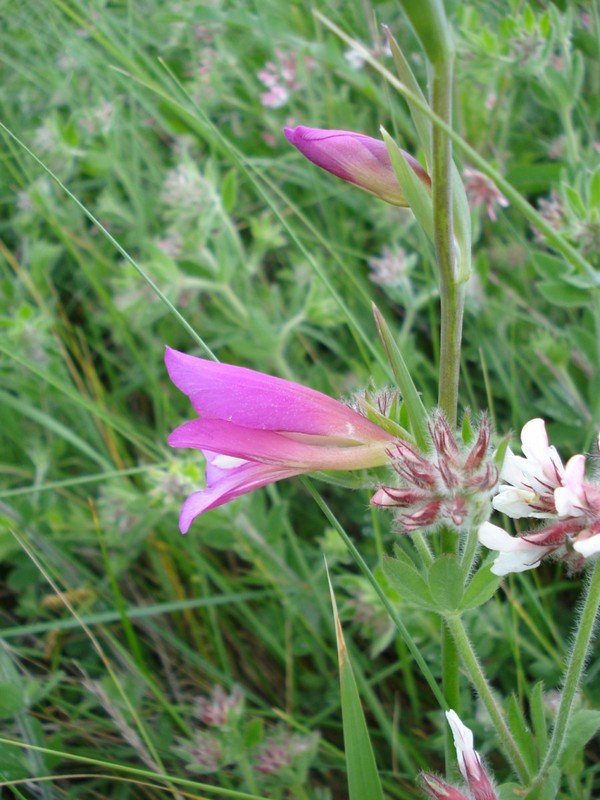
(448, 484)
(482, 191)
(281, 79)
(218, 709)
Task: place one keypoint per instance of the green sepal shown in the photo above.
(417, 195)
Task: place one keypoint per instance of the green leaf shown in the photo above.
(407, 77)
(548, 266)
(462, 224)
(446, 583)
(411, 397)
(229, 191)
(407, 582)
(254, 733)
(547, 791)
(501, 450)
(595, 189)
(563, 294)
(482, 586)
(417, 194)
(12, 764)
(583, 726)
(576, 201)
(467, 432)
(537, 714)
(12, 700)
(529, 20)
(361, 768)
(522, 733)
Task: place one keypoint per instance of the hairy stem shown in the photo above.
(574, 673)
(484, 690)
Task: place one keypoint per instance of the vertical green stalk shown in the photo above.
(573, 675)
(451, 292)
(451, 298)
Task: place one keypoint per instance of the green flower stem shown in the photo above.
(451, 297)
(451, 293)
(484, 690)
(574, 673)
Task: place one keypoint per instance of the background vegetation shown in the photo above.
(165, 121)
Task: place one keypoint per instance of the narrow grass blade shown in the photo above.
(420, 120)
(363, 778)
(417, 413)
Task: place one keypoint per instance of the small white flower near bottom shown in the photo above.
(516, 554)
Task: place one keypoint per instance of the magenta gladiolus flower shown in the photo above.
(355, 158)
(255, 429)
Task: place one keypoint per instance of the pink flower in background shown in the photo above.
(355, 158)
(539, 486)
(220, 709)
(255, 429)
(281, 79)
(482, 191)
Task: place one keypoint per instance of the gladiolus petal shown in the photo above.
(355, 158)
(256, 400)
(256, 429)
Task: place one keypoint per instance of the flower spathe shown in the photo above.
(539, 486)
(356, 158)
(255, 429)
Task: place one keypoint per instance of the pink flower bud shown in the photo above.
(438, 789)
(355, 158)
(469, 762)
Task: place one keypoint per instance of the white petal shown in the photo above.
(517, 561)
(567, 503)
(463, 741)
(227, 462)
(574, 472)
(512, 468)
(514, 503)
(534, 440)
(588, 547)
(493, 537)
(516, 554)
(535, 446)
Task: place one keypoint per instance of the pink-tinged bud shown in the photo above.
(438, 789)
(443, 439)
(414, 467)
(399, 497)
(480, 449)
(469, 762)
(355, 158)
